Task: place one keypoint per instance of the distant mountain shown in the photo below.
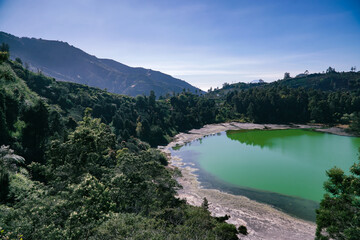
(68, 63)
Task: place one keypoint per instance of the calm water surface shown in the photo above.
(285, 168)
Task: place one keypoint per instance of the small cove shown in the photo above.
(283, 168)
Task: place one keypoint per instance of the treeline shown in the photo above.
(93, 178)
(281, 104)
(329, 81)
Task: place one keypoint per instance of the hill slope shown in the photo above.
(114, 185)
(68, 63)
(334, 81)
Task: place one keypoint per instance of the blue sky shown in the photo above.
(205, 43)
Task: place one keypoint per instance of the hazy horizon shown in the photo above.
(205, 43)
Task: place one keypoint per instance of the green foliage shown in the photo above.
(4, 52)
(4, 56)
(4, 235)
(243, 230)
(330, 70)
(4, 183)
(226, 231)
(20, 124)
(205, 204)
(278, 104)
(287, 75)
(89, 149)
(95, 175)
(36, 132)
(9, 162)
(141, 183)
(4, 47)
(7, 75)
(129, 226)
(9, 165)
(188, 223)
(339, 214)
(19, 187)
(18, 60)
(143, 117)
(89, 204)
(355, 123)
(98, 191)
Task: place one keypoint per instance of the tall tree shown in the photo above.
(286, 75)
(34, 134)
(339, 214)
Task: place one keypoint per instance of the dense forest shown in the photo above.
(77, 162)
(68, 175)
(281, 104)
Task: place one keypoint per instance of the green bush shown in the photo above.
(243, 230)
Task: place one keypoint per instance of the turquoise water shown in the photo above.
(283, 166)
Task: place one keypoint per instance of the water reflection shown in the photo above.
(266, 138)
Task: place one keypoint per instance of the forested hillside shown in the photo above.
(69, 172)
(281, 104)
(68, 63)
(330, 98)
(329, 81)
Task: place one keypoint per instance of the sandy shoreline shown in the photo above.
(262, 221)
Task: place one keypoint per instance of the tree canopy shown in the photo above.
(339, 214)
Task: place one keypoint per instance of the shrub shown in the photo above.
(243, 230)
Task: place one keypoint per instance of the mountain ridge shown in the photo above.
(65, 62)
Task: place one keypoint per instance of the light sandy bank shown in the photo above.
(261, 220)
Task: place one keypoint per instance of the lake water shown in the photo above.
(283, 168)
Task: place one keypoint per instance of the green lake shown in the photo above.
(284, 168)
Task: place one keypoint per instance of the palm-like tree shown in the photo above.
(9, 162)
